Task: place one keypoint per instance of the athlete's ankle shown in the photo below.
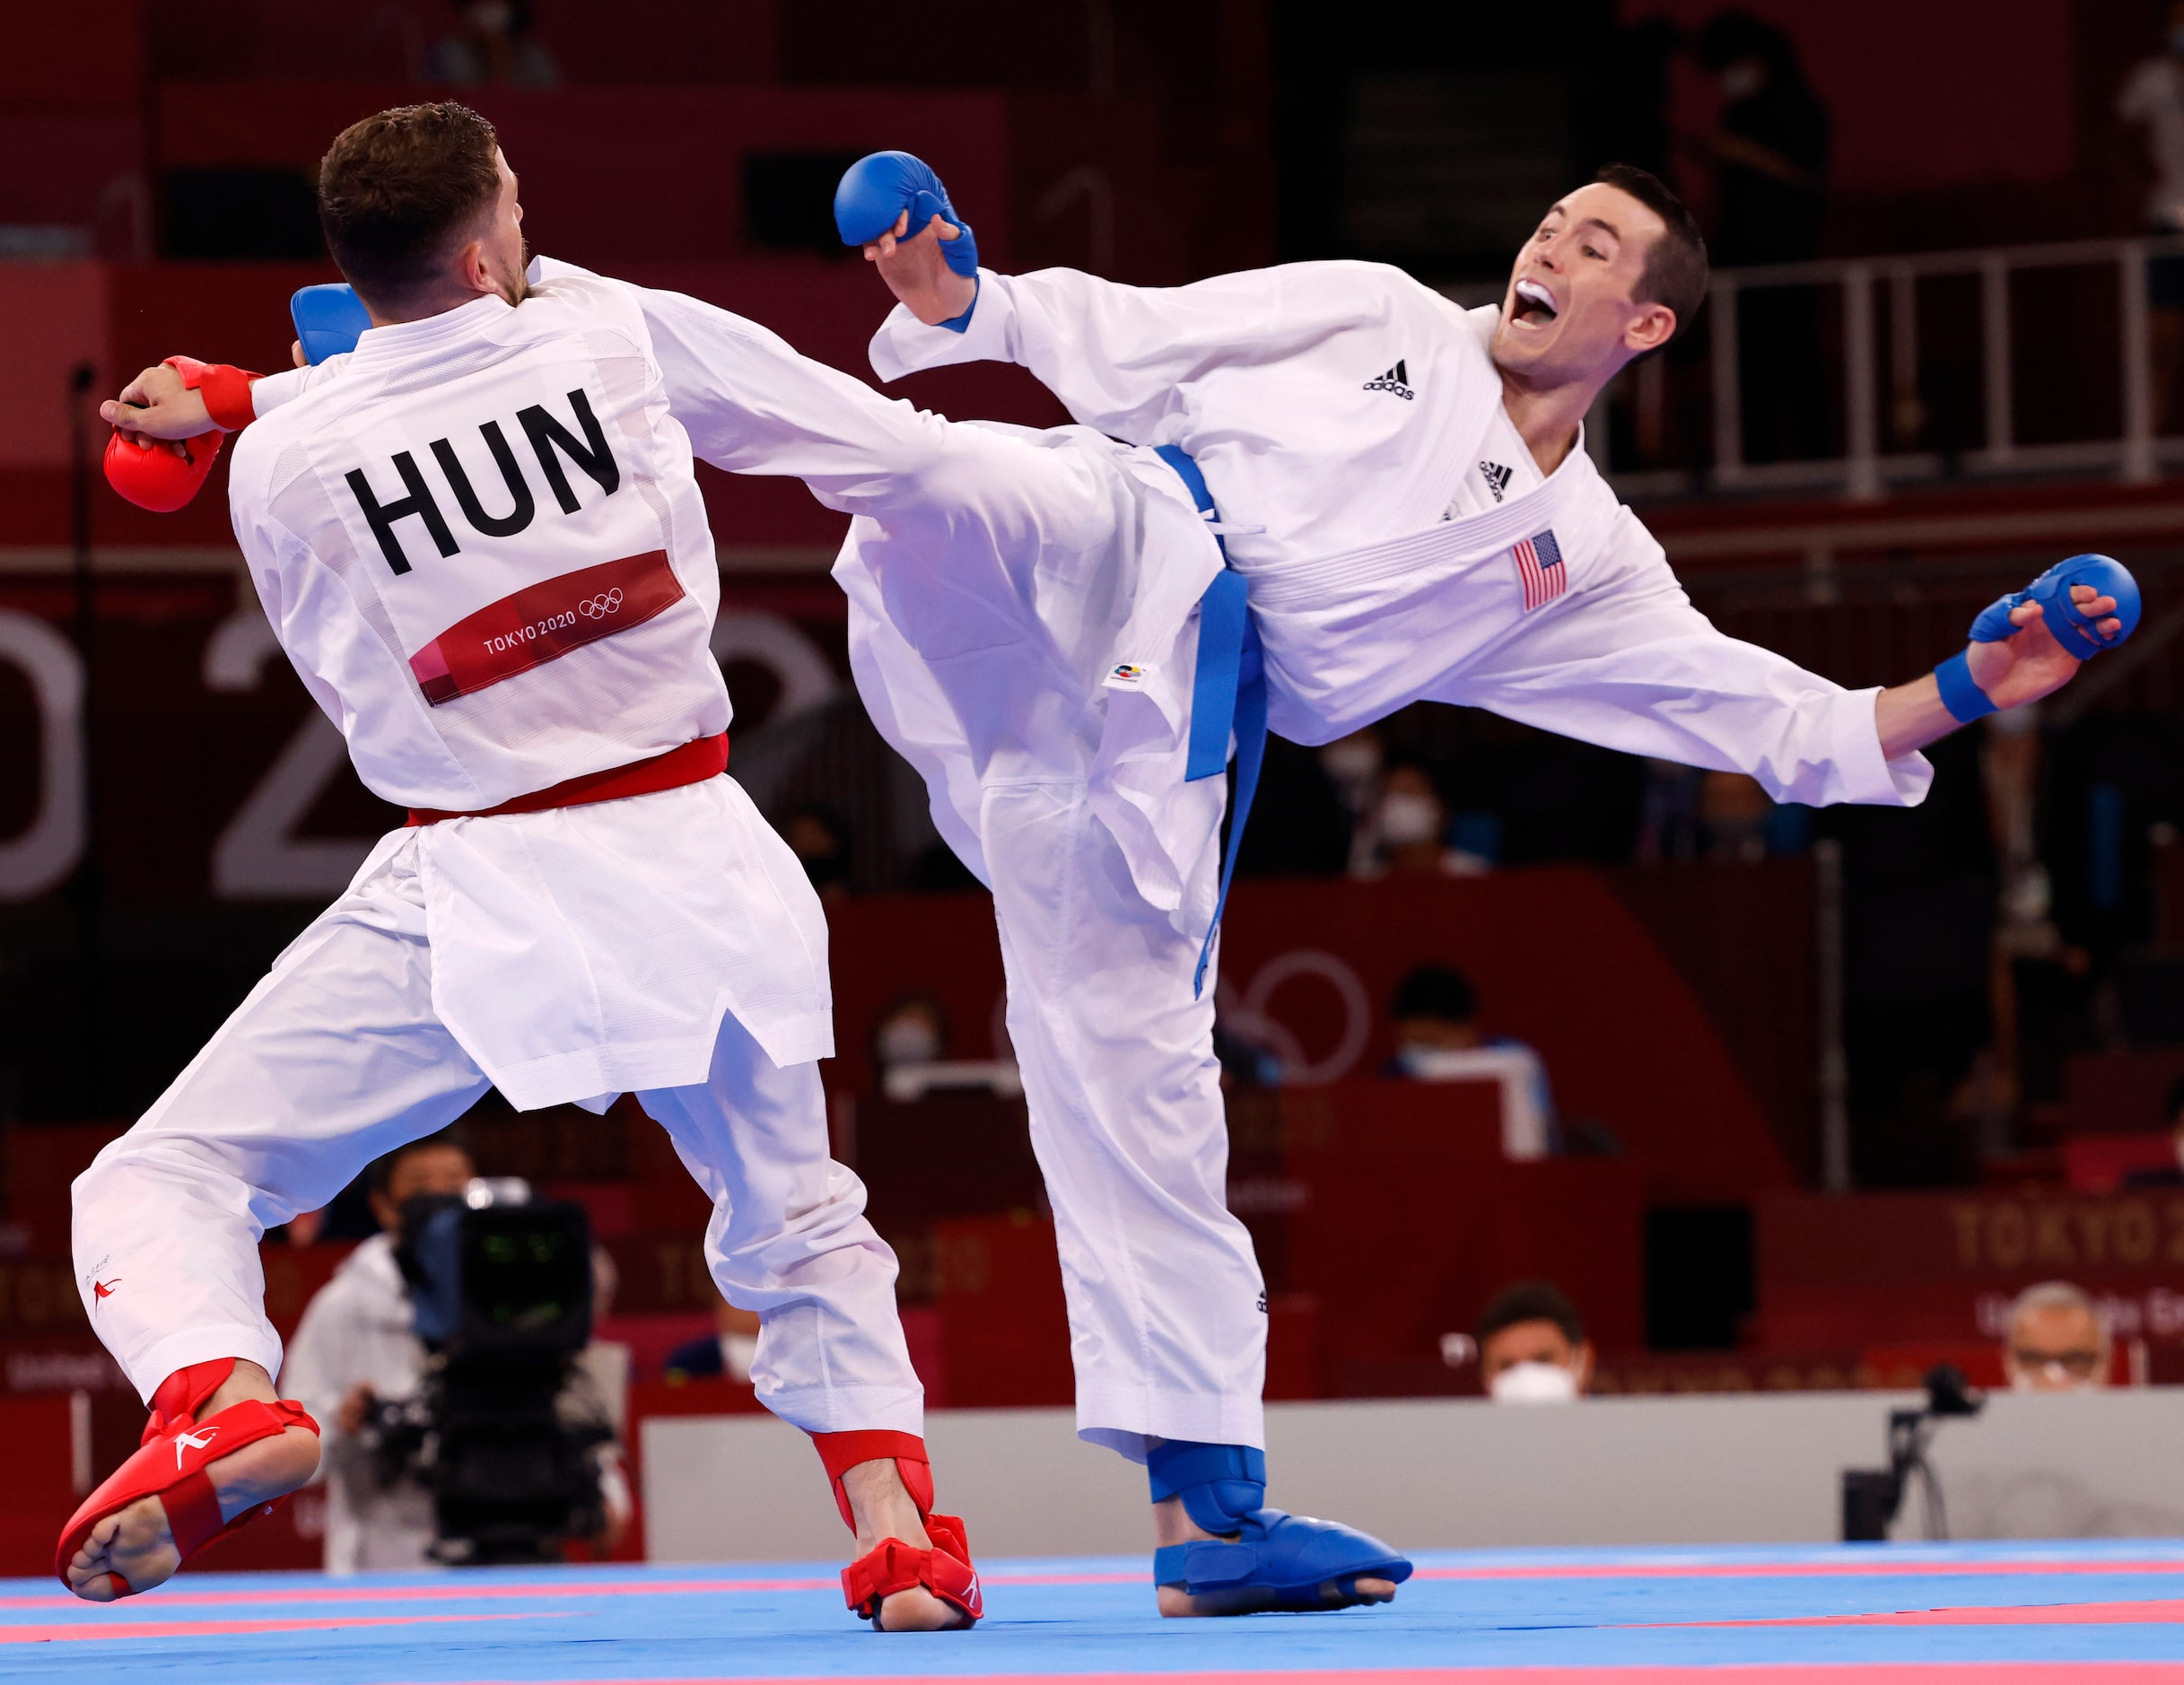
(247, 1381)
(883, 1505)
(1173, 1525)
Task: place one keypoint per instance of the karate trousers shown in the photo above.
(1167, 1306)
(1168, 1309)
(338, 1057)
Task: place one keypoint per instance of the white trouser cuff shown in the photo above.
(256, 1345)
(837, 1409)
(1123, 1420)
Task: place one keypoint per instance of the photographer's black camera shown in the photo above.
(502, 1291)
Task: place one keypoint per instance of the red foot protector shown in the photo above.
(170, 1466)
(945, 1570)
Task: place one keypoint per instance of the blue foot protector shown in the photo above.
(329, 320)
(880, 186)
(1290, 1555)
(1223, 1489)
(1963, 698)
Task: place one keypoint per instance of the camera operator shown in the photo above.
(357, 1352)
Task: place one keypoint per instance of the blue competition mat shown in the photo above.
(2110, 1612)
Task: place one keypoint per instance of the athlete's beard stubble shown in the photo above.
(517, 287)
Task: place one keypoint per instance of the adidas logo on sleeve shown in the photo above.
(1396, 381)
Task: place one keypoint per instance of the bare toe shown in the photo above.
(129, 1552)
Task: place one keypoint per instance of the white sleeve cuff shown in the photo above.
(1865, 777)
(269, 392)
(905, 344)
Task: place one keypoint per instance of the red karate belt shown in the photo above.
(694, 763)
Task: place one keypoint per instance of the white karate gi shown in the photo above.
(990, 576)
(1372, 510)
(666, 943)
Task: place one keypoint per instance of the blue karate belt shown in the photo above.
(1229, 695)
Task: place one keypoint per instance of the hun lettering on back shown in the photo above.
(550, 441)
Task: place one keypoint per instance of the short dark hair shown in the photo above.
(1437, 991)
(1530, 1302)
(1676, 268)
(397, 189)
(378, 1174)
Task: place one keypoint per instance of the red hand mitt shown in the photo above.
(153, 475)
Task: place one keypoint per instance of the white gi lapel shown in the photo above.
(1349, 637)
(1421, 555)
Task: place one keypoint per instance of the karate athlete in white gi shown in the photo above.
(989, 589)
(479, 540)
(1400, 492)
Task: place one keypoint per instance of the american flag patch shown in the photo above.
(1539, 561)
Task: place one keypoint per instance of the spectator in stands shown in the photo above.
(492, 45)
(911, 1030)
(1770, 159)
(356, 1348)
(2058, 1342)
(1668, 813)
(1436, 1010)
(1531, 1346)
(1410, 832)
(1353, 765)
(1735, 811)
(1771, 148)
(2152, 103)
(727, 1351)
(1438, 1038)
(1246, 1061)
(818, 841)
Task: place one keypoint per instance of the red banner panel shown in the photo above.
(40, 1492)
(543, 622)
(1863, 1271)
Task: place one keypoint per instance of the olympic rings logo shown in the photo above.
(1252, 1012)
(605, 603)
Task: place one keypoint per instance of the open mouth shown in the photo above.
(1534, 305)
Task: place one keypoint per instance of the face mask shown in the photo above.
(1406, 819)
(1352, 759)
(1534, 1384)
(908, 1040)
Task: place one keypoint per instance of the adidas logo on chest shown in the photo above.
(1497, 478)
(1396, 381)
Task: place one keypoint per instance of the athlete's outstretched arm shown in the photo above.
(1114, 354)
(2012, 671)
(1638, 668)
(753, 404)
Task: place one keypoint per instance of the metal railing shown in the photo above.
(1873, 350)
